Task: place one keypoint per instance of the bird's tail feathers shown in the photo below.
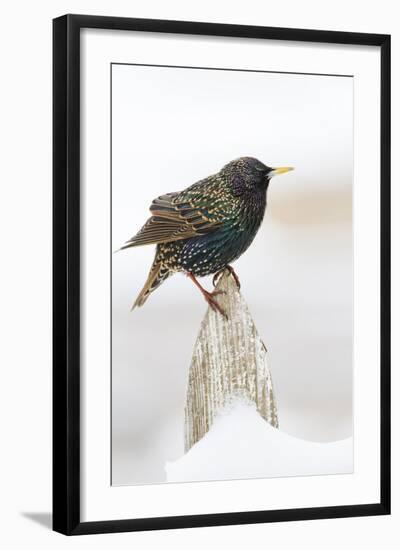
(158, 274)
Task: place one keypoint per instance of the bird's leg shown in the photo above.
(231, 272)
(209, 296)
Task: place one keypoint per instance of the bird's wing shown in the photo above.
(175, 216)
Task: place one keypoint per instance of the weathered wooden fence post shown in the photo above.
(229, 362)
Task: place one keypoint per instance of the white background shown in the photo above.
(173, 126)
(26, 288)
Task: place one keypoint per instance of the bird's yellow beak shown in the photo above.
(282, 170)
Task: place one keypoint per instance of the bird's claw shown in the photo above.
(216, 292)
(216, 277)
(231, 272)
(209, 296)
(234, 275)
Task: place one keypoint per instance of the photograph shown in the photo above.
(231, 274)
(221, 257)
(198, 334)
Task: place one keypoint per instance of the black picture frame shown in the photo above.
(66, 273)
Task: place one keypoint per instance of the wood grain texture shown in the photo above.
(229, 362)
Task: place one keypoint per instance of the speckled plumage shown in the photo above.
(207, 226)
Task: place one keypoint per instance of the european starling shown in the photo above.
(204, 228)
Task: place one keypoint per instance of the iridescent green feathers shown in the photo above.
(203, 228)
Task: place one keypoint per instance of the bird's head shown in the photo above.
(247, 174)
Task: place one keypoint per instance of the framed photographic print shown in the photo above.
(221, 274)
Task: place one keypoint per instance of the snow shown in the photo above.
(241, 444)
